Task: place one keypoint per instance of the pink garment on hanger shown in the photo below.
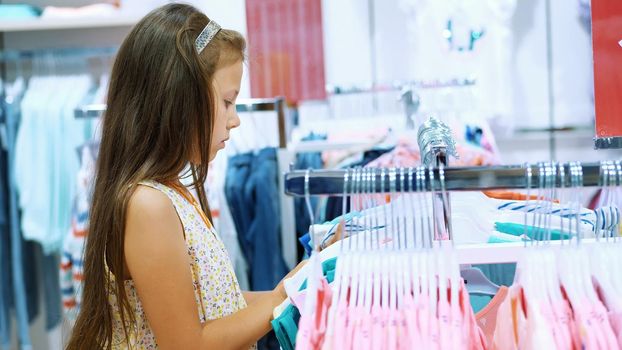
(405, 340)
(435, 332)
(537, 333)
(405, 154)
(390, 327)
(377, 333)
(341, 322)
(366, 330)
(561, 332)
(335, 156)
(564, 316)
(477, 340)
(546, 315)
(355, 327)
(460, 337)
(444, 324)
(473, 156)
(424, 320)
(615, 318)
(412, 327)
(589, 335)
(487, 317)
(505, 336)
(601, 319)
(312, 327)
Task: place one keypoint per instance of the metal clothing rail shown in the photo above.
(276, 104)
(331, 182)
(398, 86)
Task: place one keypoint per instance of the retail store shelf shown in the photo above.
(68, 23)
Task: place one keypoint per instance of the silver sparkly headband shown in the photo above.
(208, 33)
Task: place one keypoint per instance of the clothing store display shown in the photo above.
(48, 123)
(14, 238)
(223, 220)
(251, 188)
(388, 177)
(309, 160)
(72, 258)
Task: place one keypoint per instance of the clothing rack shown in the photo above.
(399, 85)
(331, 182)
(94, 110)
(276, 104)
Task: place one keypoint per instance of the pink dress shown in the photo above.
(312, 327)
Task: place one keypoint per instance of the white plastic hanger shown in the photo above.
(315, 271)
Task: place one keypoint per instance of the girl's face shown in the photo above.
(226, 85)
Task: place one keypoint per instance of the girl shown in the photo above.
(156, 274)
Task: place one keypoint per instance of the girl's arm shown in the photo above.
(251, 297)
(158, 262)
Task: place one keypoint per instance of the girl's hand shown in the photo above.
(281, 287)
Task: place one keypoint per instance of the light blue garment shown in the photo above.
(71, 133)
(15, 12)
(31, 168)
(19, 288)
(46, 164)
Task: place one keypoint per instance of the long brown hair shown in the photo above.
(160, 114)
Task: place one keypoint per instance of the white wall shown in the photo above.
(408, 47)
(572, 62)
(346, 42)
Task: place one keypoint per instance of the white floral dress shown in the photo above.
(216, 288)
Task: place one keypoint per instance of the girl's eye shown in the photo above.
(228, 103)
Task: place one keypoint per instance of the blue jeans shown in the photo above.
(238, 170)
(262, 192)
(49, 265)
(16, 243)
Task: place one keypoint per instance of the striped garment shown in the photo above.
(73, 246)
(603, 219)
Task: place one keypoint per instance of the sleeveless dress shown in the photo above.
(215, 285)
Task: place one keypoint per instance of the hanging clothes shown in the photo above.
(46, 141)
(223, 220)
(252, 193)
(72, 258)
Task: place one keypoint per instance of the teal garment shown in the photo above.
(532, 232)
(328, 270)
(478, 302)
(494, 239)
(499, 274)
(18, 12)
(286, 327)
